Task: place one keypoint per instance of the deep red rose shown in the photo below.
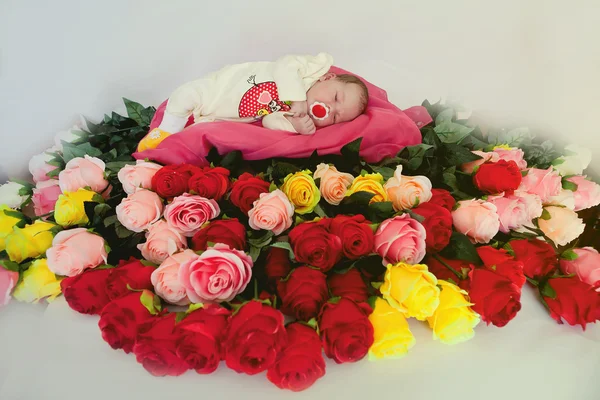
(356, 235)
(496, 298)
(498, 177)
(129, 272)
(303, 293)
(501, 262)
(350, 285)
(441, 271)
(442, 198)
(314, 245)
(211, 183)
(200, 337)
(278, 264)
(538, 257)
(575, 302)
(155, 347)
(86, 293)
(172, 180)
(121, 318)
(346, 332)
(437, 224)
(301, 362)
(228, 231)
(255, 336)
(246, 190)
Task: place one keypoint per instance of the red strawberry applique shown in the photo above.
(261, 99)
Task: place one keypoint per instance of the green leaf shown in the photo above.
(515, 137)
(360, 198)
(372, 300)
(380, 211)
(524, 173)
(121, 231)
(569, 255)
(115, 166)
(568, 185)
(376, 285)
(232, 160)
(451, 132)
(10, 265)
(71, 151)
(108, 221)
(454, 154)
(261, 241)
(272, 187)
(254, 253)
(194, 306)
(548, 291)
(461, 248)
(546, 215)
(352, 149)
(148, 300)
(386, 172)
(13, 214)
(319, 211)
(415, 154)
(312, 323)
(445, 116)
(558, 161)
(180, 316)
(104, 266)
(287, 246)
(282, 169)
(148, 263)
(135, 111)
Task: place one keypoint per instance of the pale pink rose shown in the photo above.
(165, 278)
(586, 266)
(219, 274)
(543, 182)
(161, 241)
(563, 226)
(477, 219)
(187, 213)
(565, 198)
(8, 280)
(81, 172)
(407, 191)
(272, 212)
(334, 184)
(400, 239)
(133, 177)
(44, 196)
(514, 154)
(139, 210)
(470, 166)
(75, 250)
(516, 210)
(39, 167)
(587, 194)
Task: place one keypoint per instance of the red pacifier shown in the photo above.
(319, 110)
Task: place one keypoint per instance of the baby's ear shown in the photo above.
(327, 76)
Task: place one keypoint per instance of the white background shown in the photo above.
(532, 61)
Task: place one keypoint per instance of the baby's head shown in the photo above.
(345, 96)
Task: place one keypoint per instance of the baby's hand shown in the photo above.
(303, 125)
(299, 108)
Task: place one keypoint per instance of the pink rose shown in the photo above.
(470, 166)
(514, 154)
(81, 172)
(407, 191)
(400, 239)
(217, 275)
(44, 196)
(543, 182)
(334, 184)
(8, 280)
(563, 226)
(272, 211)
(75, 250)
(187, 213)
(162, 241)
(39, 167)
(477, 219)
(139, 210)
(133, 177)
(586, 266)
(516, 210)
(165, 278)
(587, 194)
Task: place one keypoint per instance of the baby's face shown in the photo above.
(343, 100)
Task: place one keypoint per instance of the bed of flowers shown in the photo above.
(272, 265)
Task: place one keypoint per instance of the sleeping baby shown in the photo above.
(294, 94)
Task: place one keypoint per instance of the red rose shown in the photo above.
(155, 347)
(350, 285)
(442, 198)
(200, 338)
(314, 245)
(355, 233)
(501, 262)
(441, 271)
(346, 332)
(437, 224)
(211, 183)
(538, 257)
(129, 272)
(575, 302)
(498, 177)
(497, 299)
(246, 190)
(303, 293)
(278, 264)
(86, 293)
(255, 336)
(172, 180)
(121, 318)
(228, 231)
(301, 362)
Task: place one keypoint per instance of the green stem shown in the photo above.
(255, 289)
(533, 281)
(445, 264)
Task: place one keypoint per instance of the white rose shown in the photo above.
(39, 167)
(564, 198)
(9, 195)
(577, 159)
(72, 135)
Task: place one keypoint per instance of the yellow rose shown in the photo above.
(411, 289)
(30, 241)
(69, 209)
(38, 283)
(372, 183)
(300, 188)
(7, 222)
(453, 321)
(392, 335)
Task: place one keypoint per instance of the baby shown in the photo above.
(294, 94)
